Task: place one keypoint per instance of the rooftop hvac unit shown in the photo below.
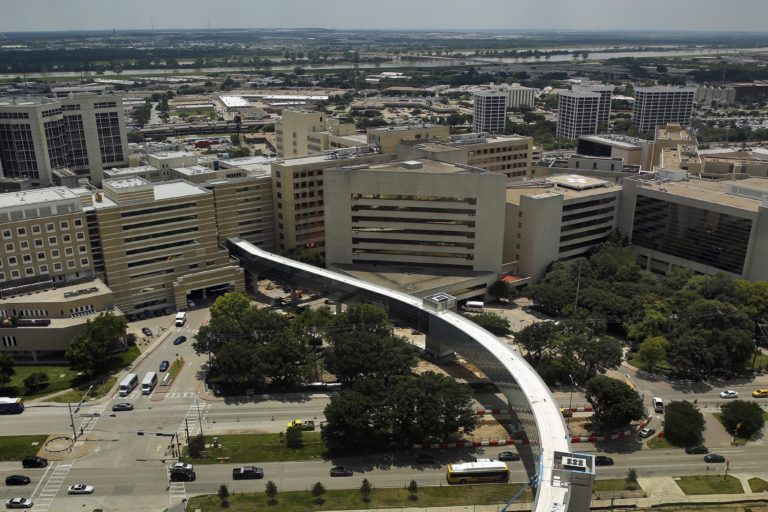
(412, 164)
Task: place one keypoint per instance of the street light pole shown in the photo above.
(72, 420)
(199, 418)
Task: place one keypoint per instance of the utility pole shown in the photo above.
(72, 420)
(199, 418)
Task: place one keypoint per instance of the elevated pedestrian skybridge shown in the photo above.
(536, 412)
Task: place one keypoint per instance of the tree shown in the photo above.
(652, 352)
(271, 491)
(237, 364)
(536, 339)
(223, 495)
(413, 489)
(491, 322)
(196, 446)
(742, 418)
(7, 369)
(365, 489)
(683, 423)
(630, 481)
(294, 437)
(89, 350)
(357, 354)
(286, 359)
(35, 381)
(615, 404)
(235, 139)
(593, 356)
(317, 492)
(501, 290)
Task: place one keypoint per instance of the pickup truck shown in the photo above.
(302, 424)
(247, 473)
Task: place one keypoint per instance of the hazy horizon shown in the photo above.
(437, 15)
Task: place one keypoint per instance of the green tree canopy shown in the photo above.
(683, 423)
(491, 322)
(357, 354)
(89, 351)
(7, 368)
(615, 404)
(742, 418)
(652, 352)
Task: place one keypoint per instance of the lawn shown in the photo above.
(61, 378)
(614, 485)
(261, 448)
(709, 484)
(662, 369)
(351, 499)
(176, 367)
(758, 485)
(660, 442)
(17, 447)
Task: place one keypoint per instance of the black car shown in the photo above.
(505, 456)
(146, 331)
(164, 366)
(425, 458)
(602, 460)
(17, 480)
(33, 461)
(329, 302)
(179, 340)
(122, 407)
(714, 458)
(696, 450)
(341, 471)
(183, 476)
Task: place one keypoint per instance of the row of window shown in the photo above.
(43, 269)
(27, 258)
(52, 240)
(49, 227)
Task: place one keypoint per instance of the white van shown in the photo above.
(149, 383)
(128, 384)
(474, 305)
(658, 404)
(181, 318)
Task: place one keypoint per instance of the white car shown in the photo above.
(182, 466)
(729, 393)
(80, 489)
(18, 503)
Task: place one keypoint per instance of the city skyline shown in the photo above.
(686, 15)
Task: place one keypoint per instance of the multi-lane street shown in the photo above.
(121, 455)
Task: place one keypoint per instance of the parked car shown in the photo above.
(183, 466)
(760, 393)
(33, 461)
(341, 471)
(696, 450)
(247, 473)
(505, 456)
(602, 460)
(183, 476)
(713, 458)
(125, 406)
(329, 302)
(146, 331)
(647, 432)
(425, 458)
(164, 366)
(18, 503)
(17, 480)
(729, 393)
(179, 340)
(80, 489)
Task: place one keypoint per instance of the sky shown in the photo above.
(686, 15)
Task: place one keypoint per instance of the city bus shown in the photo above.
(128, 384)
(149, 383)
(481, 471)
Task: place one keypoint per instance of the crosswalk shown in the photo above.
(44, 500)
(89, 421)
(177, 492)
(196, 415)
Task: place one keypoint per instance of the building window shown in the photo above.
(81, 236)
(6, 233)
(43, 269)
(15, 274)
(78, 223)
(29, 271)
(38, 242)
(64, 224)
(40, 256)
(21, 231)
(24, 244)
(9, 248)
(52, 240)
(27, 258)
(82, 249)
(55, 253)
(57, 266)
(71, 264)
(50, 227)
(69, 251)
(67, 238)
(12, 261)
(84, 261)
(36, 228)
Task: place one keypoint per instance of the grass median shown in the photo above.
(18, 447)
(709, 484)
(254, 448)
(351, 499)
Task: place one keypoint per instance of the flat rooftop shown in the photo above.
(179, 188)
(411, 280)
(715, 192)
(569, 186)
(426, 166)
(624, 144)
(34, 196)
(128, 171)
(194, 170)
(88, 289)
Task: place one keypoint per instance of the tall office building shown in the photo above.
(293, 131)
(518, 96)
(604, 107)
(84, 134)
(658, 105)
(490, 111)
(578, 113)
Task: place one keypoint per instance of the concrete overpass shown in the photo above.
(562, 481)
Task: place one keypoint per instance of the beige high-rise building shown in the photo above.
(388, 137)
(510, 155)
(415, 213)
(489, 111)
(160, 244)
(299, 197)
(44, 239)
(294, 129)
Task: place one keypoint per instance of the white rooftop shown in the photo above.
(42, 195)
(180, 188)
(234, 101)
(194, 170)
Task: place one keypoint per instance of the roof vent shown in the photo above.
(412, 164)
